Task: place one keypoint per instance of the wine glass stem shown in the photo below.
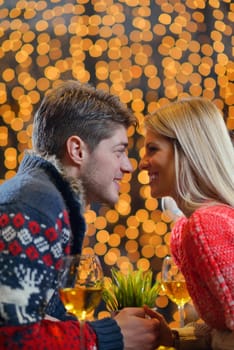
(82, 335)
(181, 315)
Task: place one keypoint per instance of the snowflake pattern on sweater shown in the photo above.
(29, 241)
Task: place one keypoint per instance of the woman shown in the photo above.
(189, 156)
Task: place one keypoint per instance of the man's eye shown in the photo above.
(120, 152)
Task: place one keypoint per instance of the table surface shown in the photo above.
(192, 338)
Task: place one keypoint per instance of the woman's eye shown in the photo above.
(152, 149)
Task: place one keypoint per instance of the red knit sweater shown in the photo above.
(203, 247)
(46, 335)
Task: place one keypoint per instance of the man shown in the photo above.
(79, 156)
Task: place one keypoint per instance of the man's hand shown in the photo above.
(139, 332)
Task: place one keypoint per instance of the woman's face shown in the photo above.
(158, 161)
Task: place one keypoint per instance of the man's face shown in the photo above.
(104, 168)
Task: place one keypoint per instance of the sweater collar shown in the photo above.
(71, 190)
(55, 169)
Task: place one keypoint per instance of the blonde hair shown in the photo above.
(204, 153)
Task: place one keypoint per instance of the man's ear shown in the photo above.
(75, 148)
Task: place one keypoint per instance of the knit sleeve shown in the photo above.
(207, 243)
(108, 333)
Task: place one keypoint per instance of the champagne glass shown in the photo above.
(174, 285)
(80, 286)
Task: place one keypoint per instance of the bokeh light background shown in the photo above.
(146, 52)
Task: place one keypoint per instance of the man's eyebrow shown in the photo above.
(121, 144)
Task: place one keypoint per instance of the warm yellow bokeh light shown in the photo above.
(148, 53)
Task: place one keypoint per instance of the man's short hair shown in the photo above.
(78, 109)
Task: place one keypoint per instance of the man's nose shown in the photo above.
(127, 165)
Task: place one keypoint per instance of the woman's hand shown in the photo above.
(165, 336)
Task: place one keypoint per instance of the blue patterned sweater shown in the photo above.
(40, 221)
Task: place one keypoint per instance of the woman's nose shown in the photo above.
(143, 164)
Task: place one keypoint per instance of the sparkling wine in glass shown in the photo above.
(80, 286)
(174, 285)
